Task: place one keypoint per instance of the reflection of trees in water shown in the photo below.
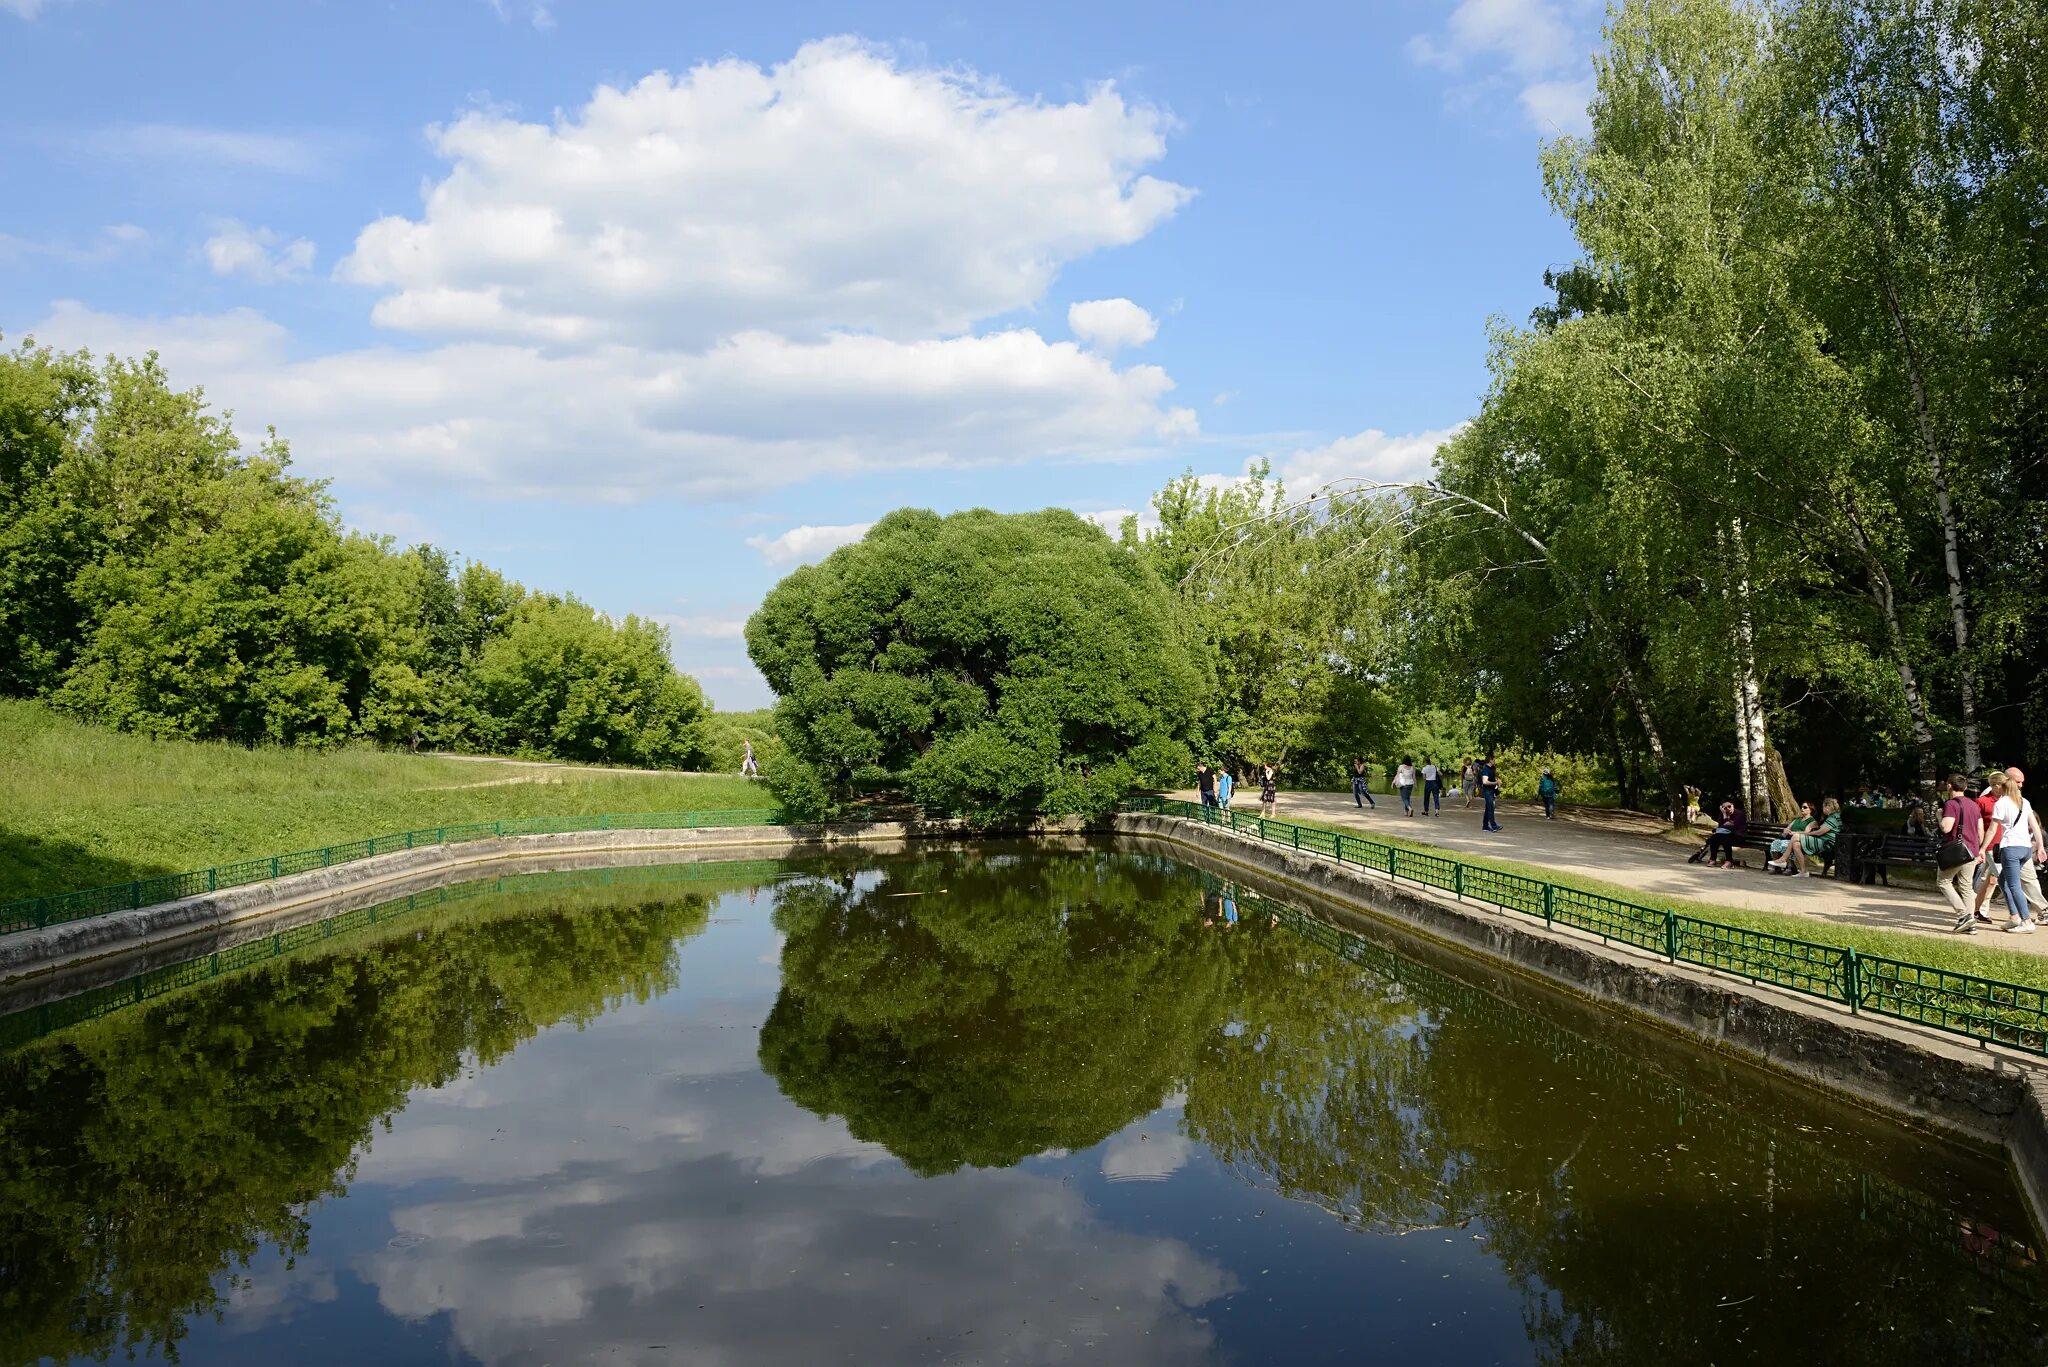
(143, 1157)
(1643, 1221)
(965, 1010)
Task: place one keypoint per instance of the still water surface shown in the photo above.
(998, 1106)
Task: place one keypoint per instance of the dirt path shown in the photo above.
(1627, 849)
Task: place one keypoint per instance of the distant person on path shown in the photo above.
(1995, 840)
(1360, 794)
(1731, 827)
(1962, 847)
(1819, 841)
(1489, 791)
(749, 766)
(1780, 857)
(1469, 780)
(1404, 783)
(1269, 789)
(1205, 784)
(1432, 787)
(1225, 786)
(1547, 788)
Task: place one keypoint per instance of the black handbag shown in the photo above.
(1953, 855)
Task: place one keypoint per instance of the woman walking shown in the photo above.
(2014, 822)
(1404, 782)
(1269, 790)
(1360, 794)
(1468, 780)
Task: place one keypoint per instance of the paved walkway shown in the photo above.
(1628, 849)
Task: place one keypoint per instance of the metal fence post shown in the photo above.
(273, 866)
(1671, 936)
(1852, 978)
(1549, 905)
(213, 879)
(1297, 836)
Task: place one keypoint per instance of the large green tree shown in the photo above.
(990, 664)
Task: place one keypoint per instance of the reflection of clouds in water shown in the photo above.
(276, 1293)
(611, 1187)
(717, 1266)
(1145, 1155)
(683, 1078)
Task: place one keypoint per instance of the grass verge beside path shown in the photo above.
(81, 806)
(1957, 953)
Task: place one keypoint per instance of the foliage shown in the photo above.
(157, 577)
(1283, 619)
(990, 664)
(970, 1028)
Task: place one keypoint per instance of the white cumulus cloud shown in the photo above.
(615, 423)
(1111, 324)
(1371, 455)
(840, 189)
(802, 545)
(257, 254)
(1539, 48)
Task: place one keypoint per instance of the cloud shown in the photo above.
(701, 628)
(114, 240)
(754, 413)
(802, 545)
(1541, 48)
(1111, 324)
(156, 142)
(25, 9)
(257, 254)
(537, 12)
(1370, 455)
(1560, 106)
(839, 190)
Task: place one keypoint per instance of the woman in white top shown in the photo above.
(2014, 822)
(1404, 779)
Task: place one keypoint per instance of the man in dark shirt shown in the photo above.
(1962, 821)
(1205, 784)
(1489, 789)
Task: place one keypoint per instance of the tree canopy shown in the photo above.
(987, 663)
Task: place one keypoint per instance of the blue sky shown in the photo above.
(650, 302)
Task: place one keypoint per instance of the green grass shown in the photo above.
(1959, 954)
(82, 806)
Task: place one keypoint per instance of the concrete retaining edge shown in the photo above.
(1986, 1094)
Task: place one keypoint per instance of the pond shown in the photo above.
(986, 1105)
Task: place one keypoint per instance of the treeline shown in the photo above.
(158, 577)
(1760, 501)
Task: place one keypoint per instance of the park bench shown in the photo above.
(1875, 856)
(1761, 834)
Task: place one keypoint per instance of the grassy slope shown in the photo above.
(1977, 954)
(81, 806)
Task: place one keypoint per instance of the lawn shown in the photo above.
(1961, 954)
(81, 806)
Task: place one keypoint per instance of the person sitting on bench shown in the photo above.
(1729, 829)
(1781, 857)
(1819, 842)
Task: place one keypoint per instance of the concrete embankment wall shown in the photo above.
(1986, 1093)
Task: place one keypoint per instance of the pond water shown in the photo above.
(998, 1105)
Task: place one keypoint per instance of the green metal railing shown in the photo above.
(33, 913)
(1983, 1009)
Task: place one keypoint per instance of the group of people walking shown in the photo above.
(1991, 842)
(1218, 786)
(1477, 778)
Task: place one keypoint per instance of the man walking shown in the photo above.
(749, 766)
(1432, 786)
(1360, 796)
(1489, 792)
(1962, 834)
(1205, 785)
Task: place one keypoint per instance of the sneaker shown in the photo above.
(2020, 928)
(1775, 865)
(1965, 923)
(1980, 918)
